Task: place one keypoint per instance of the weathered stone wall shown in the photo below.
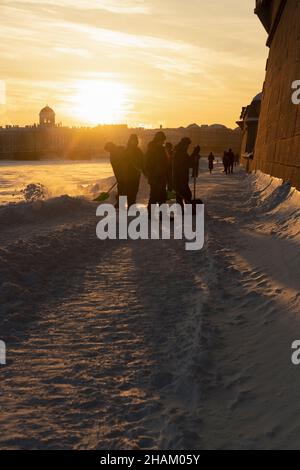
(249, 124)
(277, 150)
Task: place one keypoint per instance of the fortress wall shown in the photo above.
(277, 150)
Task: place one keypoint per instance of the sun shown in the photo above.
(100, 102)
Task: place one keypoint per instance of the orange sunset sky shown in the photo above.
(141, 62)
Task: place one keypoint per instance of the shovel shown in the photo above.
(171, 195)
(195, 201)
(104, 196)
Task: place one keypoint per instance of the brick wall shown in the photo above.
(277, 150)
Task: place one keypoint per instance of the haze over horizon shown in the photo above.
(138, 62)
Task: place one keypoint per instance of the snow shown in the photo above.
(139, 345)
(55, 178)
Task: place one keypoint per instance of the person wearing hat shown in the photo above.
(118, 163)
(157, 170)
(134, 163)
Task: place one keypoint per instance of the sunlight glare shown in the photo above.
(101, 102)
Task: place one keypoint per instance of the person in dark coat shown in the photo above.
(134, 164)
(170, 154)
(182, 165)
(157, 170)
(211, 159)
(195, 159)
(236, 160)
(231, 159)
(118, 163)
(226, 163)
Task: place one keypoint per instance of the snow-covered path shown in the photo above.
(127, 345)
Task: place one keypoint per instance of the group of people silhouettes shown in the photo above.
(166, 167)
(229, 161)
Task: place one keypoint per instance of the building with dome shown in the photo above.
(48, 140)
(47, 117)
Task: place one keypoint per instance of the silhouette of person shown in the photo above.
(211, 159)
(134, 163)
(236, 160)
(195, 158)
(170, 154)
(226, 162)
(182, 164)
(118, 163)
(231, 159)
(157, 170)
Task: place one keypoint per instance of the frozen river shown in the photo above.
(59, 177)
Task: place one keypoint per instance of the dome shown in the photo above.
(47, 109)
(47, 117)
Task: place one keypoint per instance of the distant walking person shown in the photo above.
(236, 160)
(118, 163)
(231, 159)
(182, 165)
(211, 159)
(157, 170)
(194, 160)
(226, 163)
(134, 163)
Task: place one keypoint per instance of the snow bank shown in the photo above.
(40, 211)
(278, 203)
(99, 186)
(42, 243)
(39, 265)
(47, 208)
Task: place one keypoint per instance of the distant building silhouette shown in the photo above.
(53, 141)
(249, 125)
(213, 138)
(47, 117)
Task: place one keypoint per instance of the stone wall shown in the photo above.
(277, 150)
(249, 124)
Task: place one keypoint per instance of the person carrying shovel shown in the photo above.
(118, 163)
(181, 169)
(195, 157)
(182, 164)
(134, 162)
